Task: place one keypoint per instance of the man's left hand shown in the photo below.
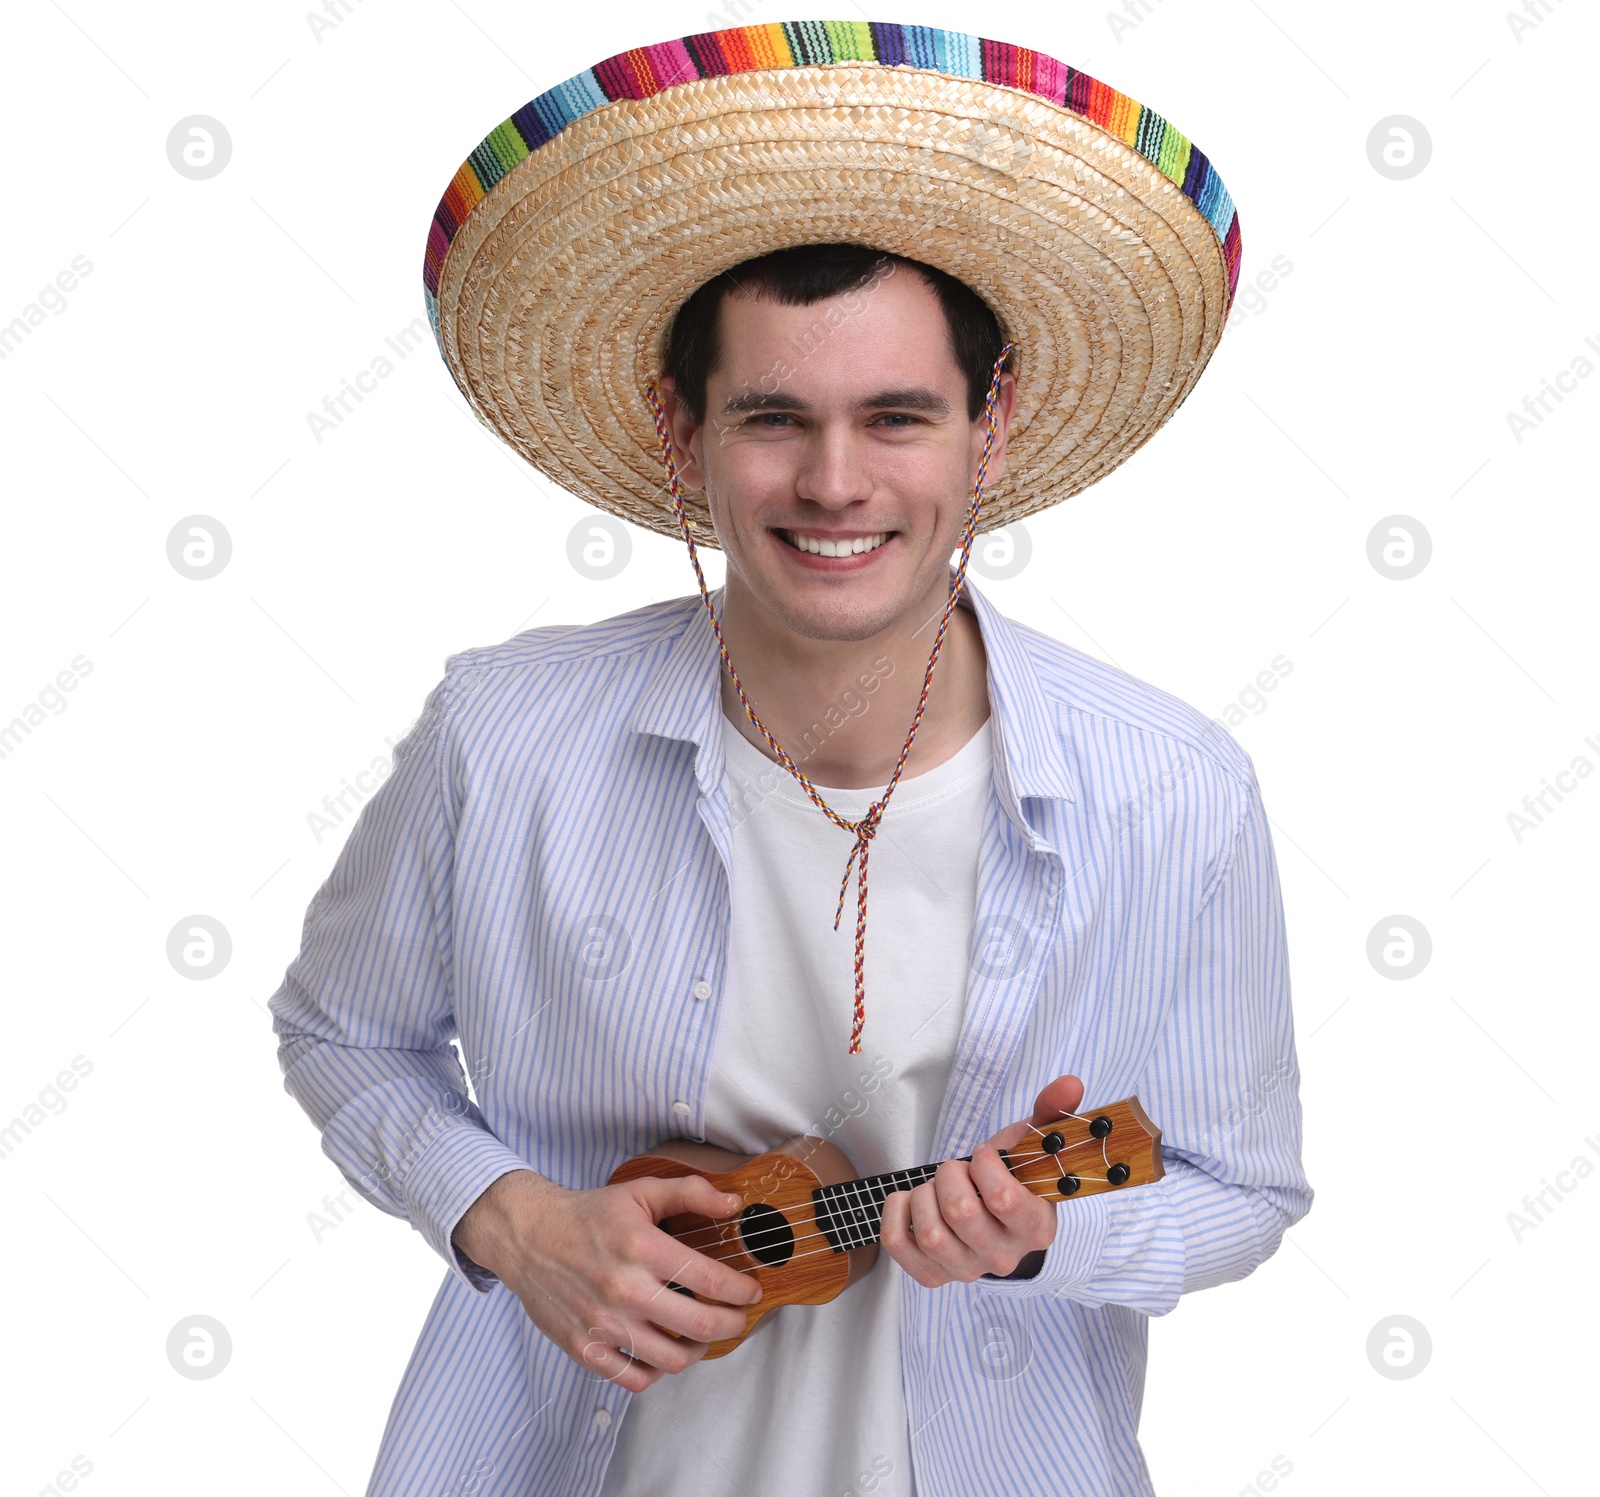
(977, 1218)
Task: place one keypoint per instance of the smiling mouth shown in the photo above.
(833, 546)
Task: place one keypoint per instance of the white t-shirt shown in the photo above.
(811, 1405)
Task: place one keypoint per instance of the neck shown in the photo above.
(842, 708)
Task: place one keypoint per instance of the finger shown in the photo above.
(708, 1273)
(634, 1376)
(1015, 1134)
(1059, 1099)
(937, 1233)
(713, 1318)
(637, 1357)
(1018, 1211)
(669, 1257)
(685, 1193)
(896, 1240)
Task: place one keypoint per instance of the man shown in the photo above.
(605, 859)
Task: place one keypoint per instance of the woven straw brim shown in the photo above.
(559, 285)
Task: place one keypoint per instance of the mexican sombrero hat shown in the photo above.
(1102, 238)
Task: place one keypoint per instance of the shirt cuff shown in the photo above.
(1071, 1260)
(462, 1163)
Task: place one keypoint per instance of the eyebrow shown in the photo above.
(913, 398)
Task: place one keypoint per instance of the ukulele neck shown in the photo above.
(1083, 1154)
(851, 1214)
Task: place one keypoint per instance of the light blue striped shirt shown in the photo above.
(542, 878)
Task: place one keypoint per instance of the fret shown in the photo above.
(848, 1205)
(862, 1214)
(871, 1212)
(824, 1200)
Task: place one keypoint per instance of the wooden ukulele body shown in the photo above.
(781, 1180)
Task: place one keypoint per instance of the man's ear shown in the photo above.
(684, 430)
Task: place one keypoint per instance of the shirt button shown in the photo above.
(681, 1108)
(701, 989)
(602, 1417)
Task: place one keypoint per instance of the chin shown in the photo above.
(837, 620)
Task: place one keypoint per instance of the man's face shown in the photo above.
(837, 455)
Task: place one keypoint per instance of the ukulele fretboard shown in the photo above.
(851, 1214)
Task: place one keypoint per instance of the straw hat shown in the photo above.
(1101, 237)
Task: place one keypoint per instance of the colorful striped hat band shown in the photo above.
(1102, 239)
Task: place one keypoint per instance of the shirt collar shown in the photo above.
(683, 701)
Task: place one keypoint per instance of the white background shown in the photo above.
(177, 777)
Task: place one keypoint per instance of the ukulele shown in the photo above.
(809, 1227)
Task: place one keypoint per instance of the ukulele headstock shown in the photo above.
(1095, 1150)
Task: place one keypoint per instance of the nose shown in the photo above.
(832, 471)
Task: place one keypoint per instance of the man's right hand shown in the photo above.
(591, 1268)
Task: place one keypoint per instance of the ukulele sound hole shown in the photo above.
(768, 1237)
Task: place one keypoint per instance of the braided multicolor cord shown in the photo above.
(866, 827)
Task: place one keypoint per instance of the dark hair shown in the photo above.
(808, 273)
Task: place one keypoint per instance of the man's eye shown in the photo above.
(772, 419)
(897, 420)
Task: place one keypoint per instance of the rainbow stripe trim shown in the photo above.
(790, 44)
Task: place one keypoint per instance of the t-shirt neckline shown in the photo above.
(974, 757)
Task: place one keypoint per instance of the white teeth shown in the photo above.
(850, 547)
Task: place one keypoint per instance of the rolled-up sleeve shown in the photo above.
(1223, 1086)
(364, 1017)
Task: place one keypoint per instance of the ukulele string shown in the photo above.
(717, 1232)
(1016, 1159)
(739, 1252)
(717, 1235)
